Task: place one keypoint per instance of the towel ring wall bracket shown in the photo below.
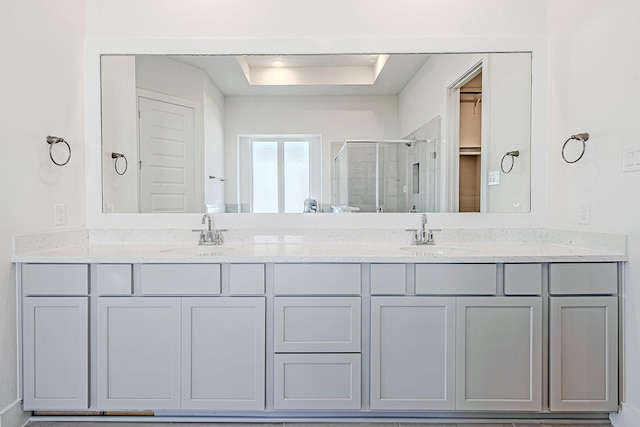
(511, 154)
(53, 140)
(116, 157)
(582, 137)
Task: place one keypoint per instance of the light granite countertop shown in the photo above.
(455, 246)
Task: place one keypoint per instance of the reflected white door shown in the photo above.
(166, 133)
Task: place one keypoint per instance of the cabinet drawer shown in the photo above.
(583, 278)
(388, 279)
(246, 279)
(317, 381)
(523, 279)
(113, 279)
(55, 279)
(317, 279)
(180, 279)
(455, 279)
(317, 324)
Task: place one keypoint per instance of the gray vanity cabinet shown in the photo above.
(412, 353)
(499, 353)
(180, 345)
(223, 353)
(583, 341)
(308, 338)
(55, 337)
(138, 355)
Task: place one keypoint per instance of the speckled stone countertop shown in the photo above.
(357, 246)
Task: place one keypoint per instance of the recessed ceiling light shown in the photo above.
(278, 63)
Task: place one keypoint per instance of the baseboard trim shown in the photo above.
(628, 416)
(13, 415)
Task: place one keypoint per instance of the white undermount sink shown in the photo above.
(198, 250)
(433, 250)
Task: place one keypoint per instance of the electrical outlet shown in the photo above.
(584, 213)
(60, 214)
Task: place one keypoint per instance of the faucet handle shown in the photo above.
(415, 238)
(217, 236)
(429, 237)
(201, 241)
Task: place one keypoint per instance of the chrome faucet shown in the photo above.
(210, 236)
(423, 236)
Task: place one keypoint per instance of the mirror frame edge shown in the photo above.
(537, 45)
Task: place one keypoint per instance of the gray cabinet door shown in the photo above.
(583, 354)
(412, 353)
(499, 353)
(138, 357)
(56, 353)
(223, 353)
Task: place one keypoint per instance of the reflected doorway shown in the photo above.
(470, 145)
(166, 156)
(467, 132)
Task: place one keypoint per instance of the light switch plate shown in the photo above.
(631, 158)
(494, 178)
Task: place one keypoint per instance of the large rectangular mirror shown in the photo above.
(316, 133)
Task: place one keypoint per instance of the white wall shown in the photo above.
(119, 133)
(595, 88)
(336, 118)
(509, 113)
(169, 77)
(42, 93)
(214, 151)
(327, 19)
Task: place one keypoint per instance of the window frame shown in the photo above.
(315, 166)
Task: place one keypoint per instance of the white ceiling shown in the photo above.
(226, 73)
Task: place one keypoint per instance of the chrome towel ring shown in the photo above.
(582, 137)
(511, 154)
(53, 140)
(116, 157)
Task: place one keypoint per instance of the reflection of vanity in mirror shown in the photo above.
(354, 133)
